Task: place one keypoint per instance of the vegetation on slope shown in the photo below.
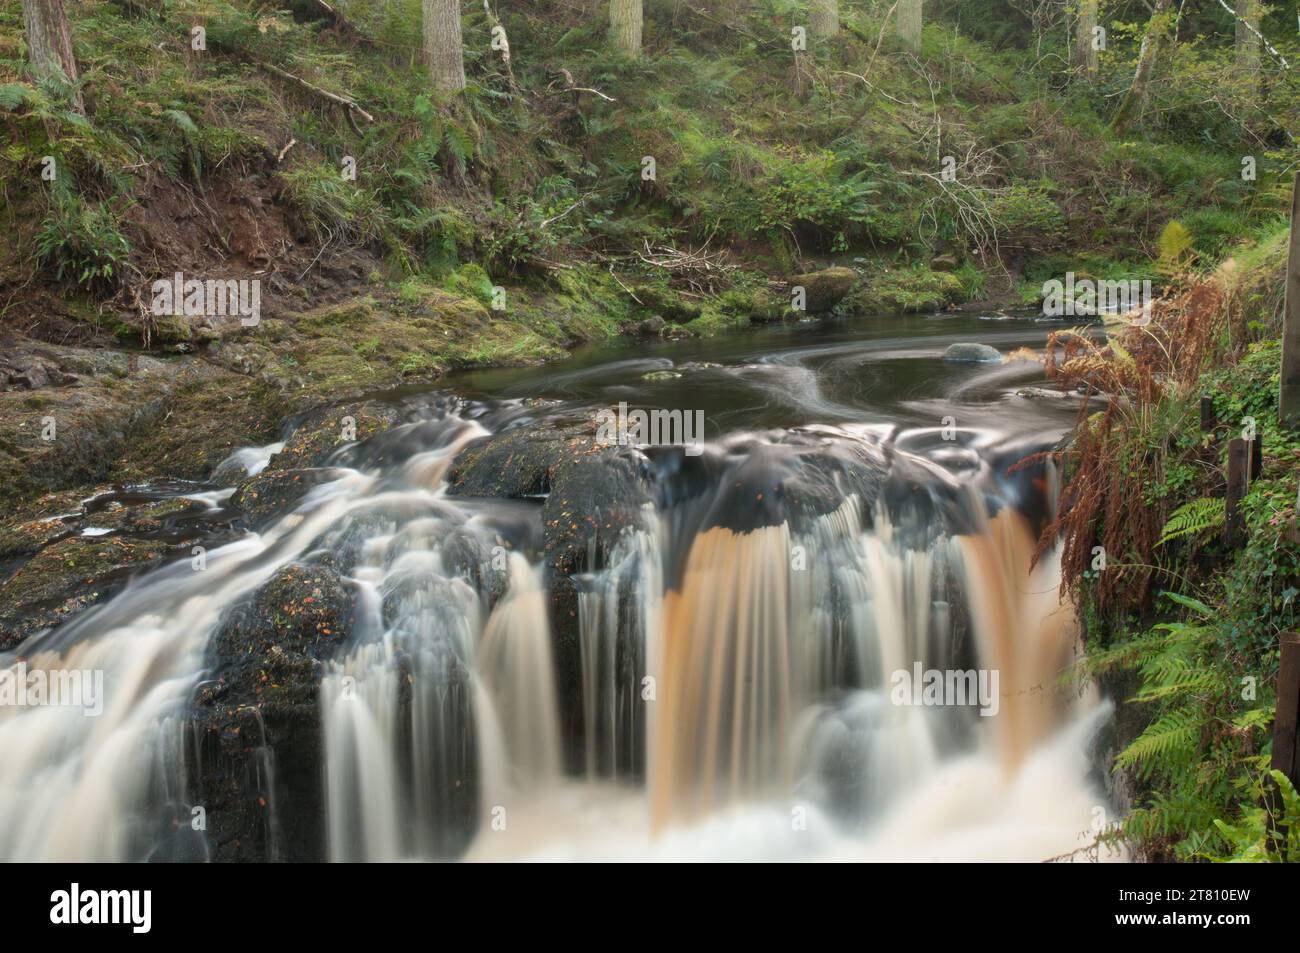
(1195, 621)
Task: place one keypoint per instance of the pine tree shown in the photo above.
(49, 44)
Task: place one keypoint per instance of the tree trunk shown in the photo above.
(1289, 397)
(909, 23)
(49, 43)
(1134, 104)
(1248, 36)
(442, 45)
(824, 18)
(1087, 52)
(625, 26)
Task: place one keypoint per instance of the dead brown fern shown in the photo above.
(1117, 454)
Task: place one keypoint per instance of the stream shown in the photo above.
(562, 649)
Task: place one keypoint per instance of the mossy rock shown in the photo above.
(769, 308)
(262, 702)
(272, 493)
(824, 289)
(519, 463)
(325, 432)
(671, 305)
(68, 577)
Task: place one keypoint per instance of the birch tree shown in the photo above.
(1248, 36)
(1134, 103)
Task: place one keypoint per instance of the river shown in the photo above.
(717, 651)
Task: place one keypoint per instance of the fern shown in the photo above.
(1175, 245)
(1173, 737)
(13, 97)
(1194, 519)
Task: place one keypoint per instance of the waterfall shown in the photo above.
(89, 788)
(738, 681)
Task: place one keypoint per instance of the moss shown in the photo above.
(67, 577)
(917, 288)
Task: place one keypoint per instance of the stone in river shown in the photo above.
(967, 353)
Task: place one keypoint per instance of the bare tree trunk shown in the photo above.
(1134, 103)
(909, 23)
(442, 44)
(1087, 52)
(824, 18)
(49, 43)
(625, 26)
(1248, 36)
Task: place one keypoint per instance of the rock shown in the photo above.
(652, 326)
(518, 463)
(30, 536)
(144, 518)
(273, 493)
(967, 353)
(326, 432)
(661, 375)
(824, 289)
(669, 304)
(257, 719)
(595, 499)
(593, 494)
(67, 577)
(769, 308)
(172, 329)
(944, 263)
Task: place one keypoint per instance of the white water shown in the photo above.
(741, 715)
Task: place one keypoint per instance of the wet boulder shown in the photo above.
(968, 353)
(273, 493)
(67, 577)
(258, 748)
(519, 463)
(30, 527)
(326, 434)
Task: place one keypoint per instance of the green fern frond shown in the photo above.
(1194, 519)
(13, 96)
(1171, 738)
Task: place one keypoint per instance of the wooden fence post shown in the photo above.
(1208, 418)
(1234, 524)
(1286, 757)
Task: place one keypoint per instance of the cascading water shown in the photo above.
(723, 684)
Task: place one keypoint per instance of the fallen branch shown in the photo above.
(350, 106)
(569, 87)
(698, 268)
(344, 25)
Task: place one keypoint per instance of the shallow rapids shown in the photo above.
(640, 653)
